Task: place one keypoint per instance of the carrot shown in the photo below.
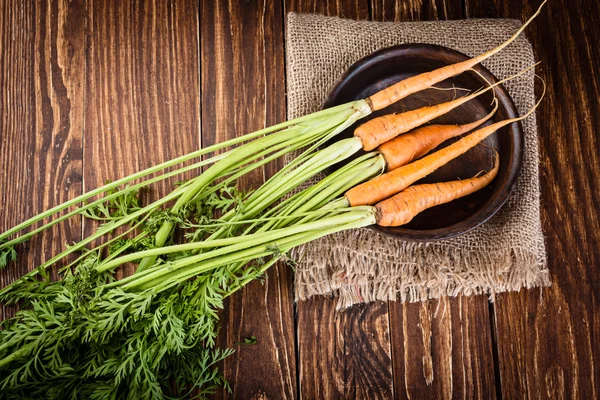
(401, 208)
(386, 185)
(425, 80)
(415, 144)
(382, 129)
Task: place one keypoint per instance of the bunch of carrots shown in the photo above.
(152, 334)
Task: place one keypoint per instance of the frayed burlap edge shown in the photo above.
(358, 275)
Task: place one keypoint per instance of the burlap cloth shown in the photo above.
(507, 253)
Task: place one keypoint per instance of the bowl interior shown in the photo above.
(388, 66)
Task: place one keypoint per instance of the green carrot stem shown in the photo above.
(327, 157)
(361, 110)
(328, 189)
(332, 208)
(235, 157)
(288, 210)
(250, 241)
(101, 232)
(225, 245)
(102, 245)
(246, 169)
(336, 122)
(341, 175)
(261, 271)
(358, 170)
(283, 245)
(80, 210)
(218, 222)
(175, 161)
(274, 189)
(332, 155)
(303, 159)
(241, 154)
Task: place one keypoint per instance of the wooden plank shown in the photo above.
(415, 10)
(353, 9)
(548, 341)
(342, 354)
(442, 348)
(41, 84)
(242, 91)
(142, 89)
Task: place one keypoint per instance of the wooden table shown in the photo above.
(95, 90)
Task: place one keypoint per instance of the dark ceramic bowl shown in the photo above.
(388, 66)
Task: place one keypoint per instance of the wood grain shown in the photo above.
(415, 10)
(344, 354)
(548, 340)
(242, 91)
(353, 9)
(142, 89)
(41, 84)
(442, 349)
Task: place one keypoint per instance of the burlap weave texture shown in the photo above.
(505, 254)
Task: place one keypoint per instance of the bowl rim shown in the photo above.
(488, 209)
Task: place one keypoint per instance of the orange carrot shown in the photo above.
(425, 80)
(382, 129)
(401, 208)
(415, 144)
(386, 185)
